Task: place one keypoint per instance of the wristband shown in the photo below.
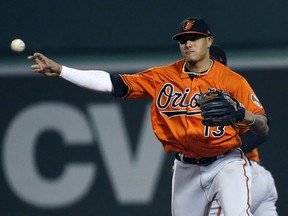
(254, 119)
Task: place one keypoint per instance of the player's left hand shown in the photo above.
(45, 65)
(218, 108)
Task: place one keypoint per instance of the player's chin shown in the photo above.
(191, 59)
(190, 56)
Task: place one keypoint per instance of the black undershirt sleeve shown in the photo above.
(120, 89)
(251, 141)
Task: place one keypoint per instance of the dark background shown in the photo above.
(129, 26)
(128, 36)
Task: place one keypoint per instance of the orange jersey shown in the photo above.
(253, 155)
(176, 119)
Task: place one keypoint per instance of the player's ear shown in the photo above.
(210, 40)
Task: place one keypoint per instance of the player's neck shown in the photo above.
(197, 70)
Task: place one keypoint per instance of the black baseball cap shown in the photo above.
(193, 25)
(218, 54)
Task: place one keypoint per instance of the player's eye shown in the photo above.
(184, 40)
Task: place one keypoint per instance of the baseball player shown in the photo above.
(209, 165)
(263, 190)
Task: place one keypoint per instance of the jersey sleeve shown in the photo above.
(134, 86)
(247, 97)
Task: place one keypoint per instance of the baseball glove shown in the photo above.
(218, 108)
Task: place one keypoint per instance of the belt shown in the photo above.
(205, 161)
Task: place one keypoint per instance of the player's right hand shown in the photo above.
(45, 65)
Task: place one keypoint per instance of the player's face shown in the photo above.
(195, 48)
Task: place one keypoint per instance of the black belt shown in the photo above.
(205, 161)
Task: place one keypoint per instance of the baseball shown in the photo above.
(17, 45)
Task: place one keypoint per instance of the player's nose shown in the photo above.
(189, 43)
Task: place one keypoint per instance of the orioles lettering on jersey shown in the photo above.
(178, 101)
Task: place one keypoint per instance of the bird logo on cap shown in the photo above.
(188, 24)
